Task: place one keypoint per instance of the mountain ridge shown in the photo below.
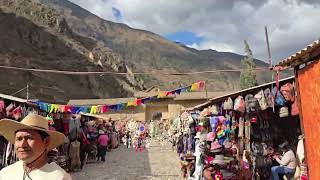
(81, 41)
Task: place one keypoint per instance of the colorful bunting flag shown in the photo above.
(105, 109)
(54, 108)
(161, 94)
(131, 103)
(138, 102)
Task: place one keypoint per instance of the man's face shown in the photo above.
(29, 145)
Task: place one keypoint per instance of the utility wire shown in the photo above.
(19, 91)
(117, 73)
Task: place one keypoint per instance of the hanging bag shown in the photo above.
(295, 108)
(239, 104)
(278, 97)
(228, 104)
(214, 109)
(251, 103)
(269, 97)
(287, 92)
(261, 100)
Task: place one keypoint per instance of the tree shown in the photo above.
(248, 74)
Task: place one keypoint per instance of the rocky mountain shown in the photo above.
(57, 34)
(35, 36)
(148, 52)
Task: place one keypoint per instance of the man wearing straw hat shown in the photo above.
(32, 140)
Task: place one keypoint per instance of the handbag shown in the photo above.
(228, 104)
(261, 100)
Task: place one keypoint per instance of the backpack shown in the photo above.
(278, 97)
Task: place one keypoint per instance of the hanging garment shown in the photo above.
(247, 128)
(269, 97)
(198, 164)
(1, 105)
(74, 129)
(239, 104)
(185, 144)
(17, 113)
(300, 151)
(241, 124)
(295, 107)
(9, 110)
(74, 154)
(190, 143)
(261, 100)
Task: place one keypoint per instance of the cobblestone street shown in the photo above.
(158, 162)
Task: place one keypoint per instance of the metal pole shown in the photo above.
(28, 91)
(270, 59)
(205, 87)
(268, 46)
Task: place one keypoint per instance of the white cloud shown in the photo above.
(292, 24)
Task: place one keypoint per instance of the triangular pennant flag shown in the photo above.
(55, 108)
(202, 85)
(177, 91)
(75, 109)
(105, 109)
(194, 87)
(99, 108)
(93, 110)
(167, 93)
(131, 103)
(67, 109)
(113, 107)
(120, 107)
(162, 94)
(138, 102)
(51, 108)
(48, 107)
(185, 89)
(145, 100)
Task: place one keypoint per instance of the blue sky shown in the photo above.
(220, 25)
(117, 14)
(184, 37)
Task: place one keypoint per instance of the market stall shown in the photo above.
(249, 127)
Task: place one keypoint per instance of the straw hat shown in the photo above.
(9, 127)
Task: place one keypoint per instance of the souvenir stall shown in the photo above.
(306, 65)
(238, 134)
(207, 138)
